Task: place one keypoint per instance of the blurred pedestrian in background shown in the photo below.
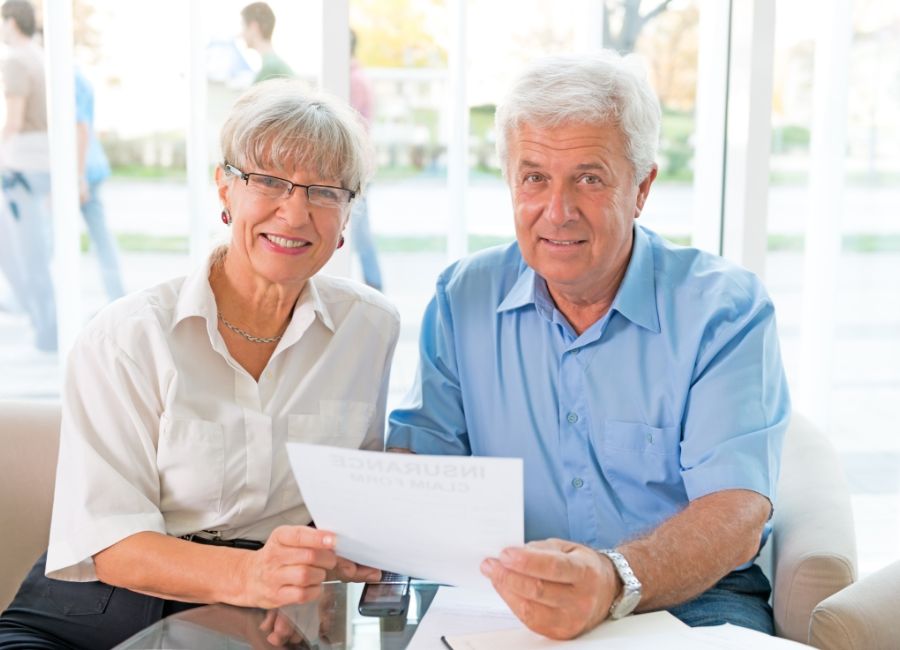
(93, 169)
(259, 23)
(25, 164)
(362, 98)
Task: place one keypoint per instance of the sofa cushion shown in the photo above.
(29, 443)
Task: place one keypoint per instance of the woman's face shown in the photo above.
(282, 240)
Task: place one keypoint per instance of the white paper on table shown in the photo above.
(458, 610)
(655, 630)
(650, 631)
(432, 517)
(741, 638)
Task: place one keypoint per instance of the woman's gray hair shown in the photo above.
(281, 125)
(583, 89)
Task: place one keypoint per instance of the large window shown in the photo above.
(850, 380)
(838, 309)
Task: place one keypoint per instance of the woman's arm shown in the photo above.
(288, 569)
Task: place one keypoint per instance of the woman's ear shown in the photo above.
(222, 184)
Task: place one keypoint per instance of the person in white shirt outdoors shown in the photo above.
(173, 486)
(25, 164)
(641, 382)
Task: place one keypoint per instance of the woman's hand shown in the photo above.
(280, 630)
(348, 571)
(289, 569)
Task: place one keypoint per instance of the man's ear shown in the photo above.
(644, 190)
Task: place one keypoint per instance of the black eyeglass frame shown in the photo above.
(245, 176)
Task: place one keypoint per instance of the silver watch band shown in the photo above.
(628, 600)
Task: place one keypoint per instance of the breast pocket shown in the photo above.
(339, 423)
(191, 461)
(642, 464)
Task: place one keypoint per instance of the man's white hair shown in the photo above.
(585, 89)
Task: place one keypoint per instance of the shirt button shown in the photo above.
(577, 482)
(572, 418)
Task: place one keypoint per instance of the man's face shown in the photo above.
(250, 33)
(575, 201)
(8, 30)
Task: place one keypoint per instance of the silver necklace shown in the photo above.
(248, 335)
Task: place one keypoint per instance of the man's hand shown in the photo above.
(557, 588)
(289, 569)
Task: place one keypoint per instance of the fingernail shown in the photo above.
(506, 556)
(486, 568)
(328, 540)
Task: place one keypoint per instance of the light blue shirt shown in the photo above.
(677, 392)
(96, 164)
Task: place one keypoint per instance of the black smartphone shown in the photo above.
(388, 597)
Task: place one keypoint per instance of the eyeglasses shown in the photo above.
(275, 188)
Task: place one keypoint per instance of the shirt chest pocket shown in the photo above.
(642, 465)
(339, 423)
(190, 457)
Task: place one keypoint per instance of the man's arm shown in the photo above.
(693, 550)
(561, 589)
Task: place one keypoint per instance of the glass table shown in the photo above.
(331, 622)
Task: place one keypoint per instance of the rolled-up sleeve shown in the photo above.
(107, 483)
(738, 407)
(431, 419)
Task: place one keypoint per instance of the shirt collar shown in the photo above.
(635, 299)
(529, 289)
(522, 292)
(196, 299)
(310, 300)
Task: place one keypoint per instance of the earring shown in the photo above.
(341, 242)
(226, 218)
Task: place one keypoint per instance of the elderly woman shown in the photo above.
(174, 486)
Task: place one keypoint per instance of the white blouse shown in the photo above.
(162, 430)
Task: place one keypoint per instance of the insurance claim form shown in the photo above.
(431, 517)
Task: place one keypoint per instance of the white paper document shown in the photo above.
(465, 623)
(466, 626)
(431, 517)
(461, 611)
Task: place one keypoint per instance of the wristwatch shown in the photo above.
(626, 602)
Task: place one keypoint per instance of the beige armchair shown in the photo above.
(864, 616)
(813, 543)
(29, 443)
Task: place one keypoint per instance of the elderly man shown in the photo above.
(641, 382)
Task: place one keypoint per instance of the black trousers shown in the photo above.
(51, 614)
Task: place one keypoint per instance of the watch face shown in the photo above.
(626, 604)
